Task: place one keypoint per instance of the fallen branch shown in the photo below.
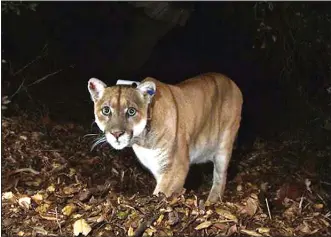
(266, 201)
(25, 170)
(35, 82)
(31, 62)
(57, 220)
(44, 77)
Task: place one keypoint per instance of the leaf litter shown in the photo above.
(53, 185)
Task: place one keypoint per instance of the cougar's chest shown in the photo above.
(153, 159)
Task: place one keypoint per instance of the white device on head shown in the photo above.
(126, 82)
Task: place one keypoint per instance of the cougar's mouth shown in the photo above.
(120, 142)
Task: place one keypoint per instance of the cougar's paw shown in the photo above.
(214, 197)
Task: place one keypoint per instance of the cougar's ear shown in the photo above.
(96, 88)
(148, 89)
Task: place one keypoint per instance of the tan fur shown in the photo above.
(195, 121)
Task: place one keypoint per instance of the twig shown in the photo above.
(57, 220)
(327, 183)
(143, 226)
(49, 218)
(44, 77)
(321, 198)
(18, 89)
(25, 170)
(189, 223)
(300, 204)
(35, 82)
(27, 65)
(266, 201)
(31, 62)
(46, 150)
(327, 215)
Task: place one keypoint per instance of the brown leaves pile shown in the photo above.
(54, 186)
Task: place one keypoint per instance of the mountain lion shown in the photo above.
(170, 127)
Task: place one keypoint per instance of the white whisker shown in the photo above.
(90, 134)
(98, 141)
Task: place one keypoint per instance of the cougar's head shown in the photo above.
(121, 111)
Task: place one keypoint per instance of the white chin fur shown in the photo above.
(119, 144)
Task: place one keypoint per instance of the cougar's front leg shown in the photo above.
(173, 178)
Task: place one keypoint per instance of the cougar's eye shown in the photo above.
(131, 111)
(105, 110)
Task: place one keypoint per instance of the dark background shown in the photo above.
(278, 54)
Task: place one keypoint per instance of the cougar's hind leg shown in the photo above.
(221, 162)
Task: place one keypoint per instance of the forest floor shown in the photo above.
(53, 185)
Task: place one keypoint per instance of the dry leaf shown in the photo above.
(203, 225)
(43, 208)
(36, 136)
(290, 190)
(7, 195)
(69, 209)
(327, 224)
(263, 230)
(40, 230)
(130, 231)
(250, 232)
(252, 204)
(173, 201)
(190, 202)
(25, 202)
(101, 218)
(194, 212)
(308, 183)
(318, 206)
(233, 229)
(159, 220)
(150, 231)
(122, 214)
(36, 182)
(274, 38)
(72, 172)
(75, 216)
(70, 190)
(226, 214)
(37, 198)
(173, 218)
(81, 226)
(208, 214)
(263, 44)
(220, 226)
(51, 188)
(239, 188)
(84, 195)
(304, 228)
(23, 137)
(291, 211)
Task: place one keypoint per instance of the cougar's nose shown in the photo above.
(117, 134)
